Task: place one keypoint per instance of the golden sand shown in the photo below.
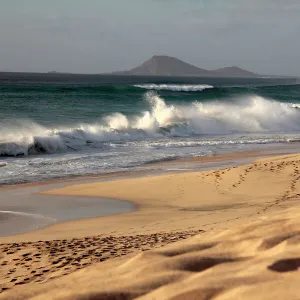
(240, 228)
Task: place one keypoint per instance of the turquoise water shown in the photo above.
(56, 125)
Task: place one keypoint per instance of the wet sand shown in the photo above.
(24, 208)
(30, 209)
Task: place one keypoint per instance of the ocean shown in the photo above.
(62, 126)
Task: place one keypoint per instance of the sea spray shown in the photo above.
(246, 114)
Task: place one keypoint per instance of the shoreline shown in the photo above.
(203, 164)
(28, 210)
(157, 168)
(204, 208)
(38, 190)
(30, 222)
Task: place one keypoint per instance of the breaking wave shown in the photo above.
(249, 114)
(175, 87)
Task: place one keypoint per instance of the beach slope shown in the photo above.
(247, 247)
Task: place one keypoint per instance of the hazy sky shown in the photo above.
(94, 36)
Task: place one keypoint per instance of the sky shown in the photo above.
(98, 36)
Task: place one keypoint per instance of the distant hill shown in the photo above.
(171, 66)
(234, 72)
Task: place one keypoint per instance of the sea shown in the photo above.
(62, 125)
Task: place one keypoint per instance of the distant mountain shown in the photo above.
(171, 66)
(234, 72)
(166, 66)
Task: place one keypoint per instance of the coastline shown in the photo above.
(198, 163)
(42, 190)
(35, 216)
(102, 197)
(28, 210)
(227, 217)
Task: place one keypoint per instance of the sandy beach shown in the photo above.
(211, 234)
(149, 150)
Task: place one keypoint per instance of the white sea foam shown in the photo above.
(295, 105)
(175, 87)
(251, 114)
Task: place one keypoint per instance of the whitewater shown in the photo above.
(175, 87)
(100, 129)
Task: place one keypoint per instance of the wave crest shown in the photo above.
(175, 87)
(248, 114)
